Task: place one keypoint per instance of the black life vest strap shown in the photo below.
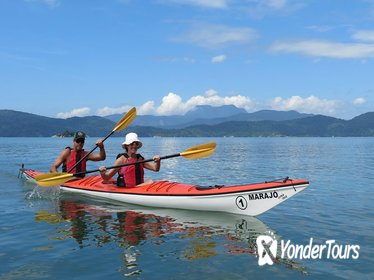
(138, 174)
(122, 154)
(78, 168)
(64, 168)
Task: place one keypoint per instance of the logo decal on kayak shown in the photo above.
(241, 202)
(265, 195)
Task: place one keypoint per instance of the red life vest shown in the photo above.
(133, 174)
(73, 159)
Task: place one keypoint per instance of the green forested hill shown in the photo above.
(14, 123)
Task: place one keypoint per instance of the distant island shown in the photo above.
(66, 133)
(204, 121)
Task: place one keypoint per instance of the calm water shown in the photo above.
(47, 234)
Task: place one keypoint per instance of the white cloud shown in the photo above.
(148, 108)
(210, 93)
(324, 49)
(170, 59)
(359, 101)
(320, 28)
(275, 4)
(106, 111)
(261, 8)
(222, 4)
(216, 4)
(173, 104)
(212, 98)
(216, 35)
(364, 35)
(50, 3)
(79, 112)
(310, 104)
(219, 58)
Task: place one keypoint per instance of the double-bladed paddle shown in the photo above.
(54, 179)
(122, 124)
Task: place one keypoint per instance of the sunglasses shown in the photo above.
(80, 141)
(135, 144)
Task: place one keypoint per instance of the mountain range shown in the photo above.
(204, 121)
(210, 115)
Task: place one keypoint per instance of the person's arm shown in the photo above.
(59, 160)
(106, 175)
(101, 155)
(154, 166)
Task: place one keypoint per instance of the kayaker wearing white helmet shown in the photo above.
(131, 175)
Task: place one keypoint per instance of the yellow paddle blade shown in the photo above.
(53, 179)
(126, 120)
(199, 151)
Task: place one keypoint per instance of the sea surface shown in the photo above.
(47, 234)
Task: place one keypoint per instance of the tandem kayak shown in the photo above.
(248, 199)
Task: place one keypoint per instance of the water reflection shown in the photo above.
(92, 222)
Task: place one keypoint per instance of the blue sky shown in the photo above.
(63, 58)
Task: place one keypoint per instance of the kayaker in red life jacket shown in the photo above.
(71, 155)
(131, 175)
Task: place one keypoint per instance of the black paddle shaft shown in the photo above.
(125, 164)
